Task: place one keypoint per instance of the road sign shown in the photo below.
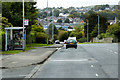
(26, 22)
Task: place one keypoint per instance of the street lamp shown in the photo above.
(23, 25)
(47, 22)
(98, 25)
(87, 31)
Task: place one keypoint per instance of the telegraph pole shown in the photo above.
(87, 30)
(23, 26)
(98, 25)
(47, 22)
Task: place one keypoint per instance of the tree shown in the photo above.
(63, 35)
(13, 11)
(67, 21)
(4, 24)
(115, 30)
(59, 21)
(37, 34)
(50, 30)
(65, 11)
(75, 34)
(56, 12)
(93, 21)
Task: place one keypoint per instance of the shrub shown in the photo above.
(63, 36)
(41, 37)
(81, 40)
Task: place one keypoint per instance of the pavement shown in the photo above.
(27, 58)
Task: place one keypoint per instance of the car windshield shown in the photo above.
(71, 40)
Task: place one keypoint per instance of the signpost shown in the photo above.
(26, 22)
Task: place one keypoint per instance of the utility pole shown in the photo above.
(23, 26)
(47, 22)
(98, 25)
(87, 30)
(53, 24)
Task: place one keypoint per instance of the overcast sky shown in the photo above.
(73, 3)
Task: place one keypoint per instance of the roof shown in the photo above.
(14, 28)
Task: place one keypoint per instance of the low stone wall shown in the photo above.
(104, 40)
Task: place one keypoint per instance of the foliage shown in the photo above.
(115, 30)
(81, 40)
(60, 28)
(5, 23)
(59, 21)
(38, 34)
(56, 12)
(13, 11)
(63, 35)
(93, 23)
(67, 21)
(75, 34)
(50, 30)
(41, 37)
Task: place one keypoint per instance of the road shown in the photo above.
(87, 61)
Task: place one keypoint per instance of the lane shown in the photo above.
(88, 61)
(106, 55)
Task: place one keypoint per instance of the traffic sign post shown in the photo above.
(26, 22)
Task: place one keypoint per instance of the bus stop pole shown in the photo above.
(23, 25)
(5, 40)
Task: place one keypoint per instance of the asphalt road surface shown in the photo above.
(87, 61)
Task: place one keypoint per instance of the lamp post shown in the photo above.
(23, 26)
(47, 22)
(87, 31)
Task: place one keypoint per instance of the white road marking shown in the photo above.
(57, 48)
(92, 66)
(32, 72)
(14, 62)
(111, 51)
(70, 60)
(22, 75)
(96, 75)
(116, 52)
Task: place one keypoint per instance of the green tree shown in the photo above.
(93, 21)
(13, 11)
(50, 30)
(63, 35)
(67, 21)
(115, 30)
(56, 12)
(59, 21)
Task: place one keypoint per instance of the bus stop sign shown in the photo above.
(26, 22)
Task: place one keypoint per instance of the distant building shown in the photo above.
(119, 3)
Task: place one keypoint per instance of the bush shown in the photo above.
(81, 40)
(77, 35)
(3, 41)
(63, 36)
(41, 37)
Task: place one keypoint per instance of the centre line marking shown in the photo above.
(96, 75)
(116, 52)
(92, 66)
(70, 60)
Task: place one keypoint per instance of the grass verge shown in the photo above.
(90, 42)
(28, 47)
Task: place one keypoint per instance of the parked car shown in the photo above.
(71, 43)
(65, 41)
(57, 42)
